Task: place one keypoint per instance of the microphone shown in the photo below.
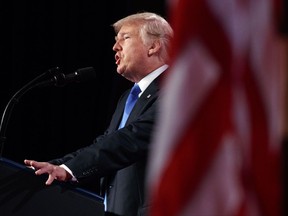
(60, 80)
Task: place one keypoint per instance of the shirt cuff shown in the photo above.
(74, 179)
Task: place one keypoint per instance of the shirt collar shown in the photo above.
(145, 82)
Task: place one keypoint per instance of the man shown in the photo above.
(120, 154)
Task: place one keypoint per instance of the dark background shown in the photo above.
(38, 35)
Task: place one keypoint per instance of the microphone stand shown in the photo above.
(14, 100)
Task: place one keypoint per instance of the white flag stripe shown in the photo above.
(223, 172)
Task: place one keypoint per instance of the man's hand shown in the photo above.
(54, 171)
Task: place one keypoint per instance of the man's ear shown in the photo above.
(154, 48)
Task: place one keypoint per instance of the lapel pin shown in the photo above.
(148, 96)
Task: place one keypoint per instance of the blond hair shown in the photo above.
(151, 27)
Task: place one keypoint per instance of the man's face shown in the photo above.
(131, 53)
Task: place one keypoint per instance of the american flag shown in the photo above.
(217, 145)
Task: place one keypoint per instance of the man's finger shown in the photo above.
(44, 169)
(28, 162)
(50, 180)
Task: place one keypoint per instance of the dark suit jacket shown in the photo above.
(120, 156)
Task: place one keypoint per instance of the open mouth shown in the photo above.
(117, 58)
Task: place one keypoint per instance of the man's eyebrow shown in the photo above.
(124, 33)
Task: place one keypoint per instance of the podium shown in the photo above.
(23, 193)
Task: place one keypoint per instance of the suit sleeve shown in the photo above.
(116, 149)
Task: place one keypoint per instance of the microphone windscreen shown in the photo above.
(85, 74)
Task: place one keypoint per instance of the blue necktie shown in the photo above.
(130, 102)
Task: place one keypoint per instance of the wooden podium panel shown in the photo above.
(22, 193)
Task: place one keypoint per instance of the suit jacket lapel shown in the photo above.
(149, 94)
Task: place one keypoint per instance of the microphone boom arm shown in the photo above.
(58, 79)
(15, 99)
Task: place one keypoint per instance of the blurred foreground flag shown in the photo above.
(217, 146)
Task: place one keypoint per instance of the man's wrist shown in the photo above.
(70, 174)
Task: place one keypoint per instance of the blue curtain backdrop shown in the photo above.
(38, 35)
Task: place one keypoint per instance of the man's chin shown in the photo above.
(120, 71)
